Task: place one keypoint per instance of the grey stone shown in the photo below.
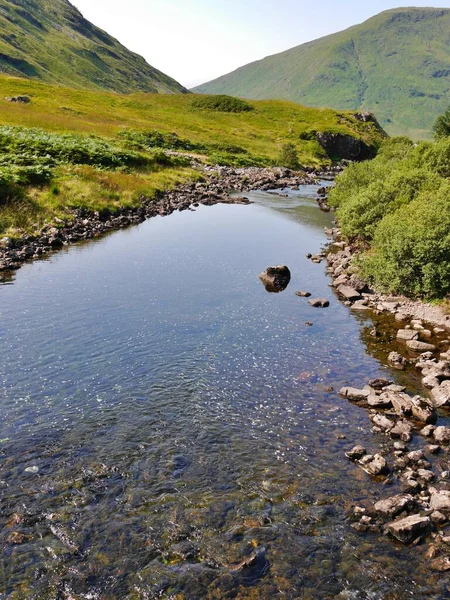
(411, 528)
(405, 335)
(319, 303)
(391, 507)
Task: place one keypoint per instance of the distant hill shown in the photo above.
(51, 41)
(396, 64)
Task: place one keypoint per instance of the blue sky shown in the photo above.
(197, 40)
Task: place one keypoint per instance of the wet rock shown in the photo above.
(356, 453)
(374, 465)
(379, 383)
(402, 430)
(391, 507)
(397, 360)
(397, 389)
(378, 402)
(417, 407)
(438, 518)
(184, 550)
(319, 303)
(441, 564)
(382, 422)
(428, 431)
(442, 435)
(354, 393)
(441, 394)
(411, 528)
(417, 346)
(405, 335)
(276, 279)
(440, 500)
(303, 294)
(433, 449)
(348, 293)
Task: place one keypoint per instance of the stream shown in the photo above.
(168, 429)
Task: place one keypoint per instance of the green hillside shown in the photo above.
(396, 65)
(51, 41)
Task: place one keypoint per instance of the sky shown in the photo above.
(195, 41)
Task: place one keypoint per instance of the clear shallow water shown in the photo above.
(166, 398)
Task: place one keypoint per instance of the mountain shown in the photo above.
(50, 40)
(396, 65)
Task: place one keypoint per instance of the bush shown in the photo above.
(288, 157)
(221, 103)
(145, 140)
(411, 248)
(441, 127)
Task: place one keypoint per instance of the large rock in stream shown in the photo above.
(276, 279)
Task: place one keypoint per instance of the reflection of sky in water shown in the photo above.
(157, 351)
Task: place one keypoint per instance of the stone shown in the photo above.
(441, 564)
(19, 99)
(405, 335)
(402, 431)
(348, 293)
(425, 476)
(356, 453)
(276, 279)
(438, 517)
(394, 388)
(431, 382)
(417, 346)
(411, 528)
(391, 507)
(354, 393)
(401, 317)
(416, 407)
(32, 470)
(397, 360)
(361, 305)
(442, 435)
(345, 146)
(440, 500)
(374, 465)
(375, 401)
(441, 394)
(319, 303)
(379, 383)
(427, 431)
(433, 449)
(303, 294)
(382, 422)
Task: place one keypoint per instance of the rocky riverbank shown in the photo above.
(414, 459)
(218, 184)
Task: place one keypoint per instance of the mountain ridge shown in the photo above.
(395, 64)
(51, 41)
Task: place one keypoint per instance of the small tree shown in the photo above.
(441, 126)
(288, 157)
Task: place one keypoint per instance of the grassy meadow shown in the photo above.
(69, 148)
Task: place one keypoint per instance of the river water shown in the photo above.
(167, 428)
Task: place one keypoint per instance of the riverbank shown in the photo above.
(413, 459)
(218, 184)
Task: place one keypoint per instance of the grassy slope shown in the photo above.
(50, 40)
(259, 132)
(396, 65)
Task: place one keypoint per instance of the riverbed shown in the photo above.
(169, 429)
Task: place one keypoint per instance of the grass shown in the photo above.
(395, 65)
(70, 148)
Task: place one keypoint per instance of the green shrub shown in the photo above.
(411, 248)
(288, 157)
(441, 127)
(145, 140)
(221, 103)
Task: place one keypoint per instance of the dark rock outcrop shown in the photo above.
(339, 146)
